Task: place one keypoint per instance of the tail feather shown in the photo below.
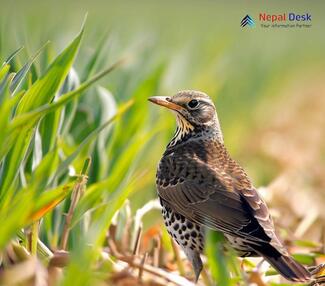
(284, 264)
(289, 268)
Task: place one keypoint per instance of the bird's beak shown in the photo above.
(162, 100)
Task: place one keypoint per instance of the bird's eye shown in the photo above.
(193, 103)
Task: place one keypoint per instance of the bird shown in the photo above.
(201, 187)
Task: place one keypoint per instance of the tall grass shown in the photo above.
(42, 158)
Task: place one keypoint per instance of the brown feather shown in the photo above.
(200, 183)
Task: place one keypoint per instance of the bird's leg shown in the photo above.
(197, 266)
(194, 257)
(314, 270)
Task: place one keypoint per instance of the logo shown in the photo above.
(284, 17)
(247, 20)
(280, 20)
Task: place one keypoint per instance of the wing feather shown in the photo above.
(212, 200)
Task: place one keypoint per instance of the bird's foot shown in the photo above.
(318, 273)
(314, 270)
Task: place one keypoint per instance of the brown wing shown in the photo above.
(212, 196)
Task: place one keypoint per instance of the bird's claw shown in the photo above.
(315, 271)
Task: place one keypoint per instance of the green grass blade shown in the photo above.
(3, 71)
(8, 60)
(41, 92)
(45, 88)
(91, 64)
(216, 258)
(48, 200)
(21, 74)
(30, 117)
(6, 108)
(93, 135)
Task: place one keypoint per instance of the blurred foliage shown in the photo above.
(58, 110)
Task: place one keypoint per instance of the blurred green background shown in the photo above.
(196, 44)
(256, 77)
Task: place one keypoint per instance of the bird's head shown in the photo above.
(194, 110)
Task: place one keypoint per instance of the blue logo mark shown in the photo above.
(247, 20)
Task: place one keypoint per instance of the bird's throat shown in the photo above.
(183, 131)
(186, 131)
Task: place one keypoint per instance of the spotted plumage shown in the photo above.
(184, 232)
(200, 186)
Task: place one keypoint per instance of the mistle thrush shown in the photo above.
(200, 186)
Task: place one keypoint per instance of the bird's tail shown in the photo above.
(289, 268)
(284, 264)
